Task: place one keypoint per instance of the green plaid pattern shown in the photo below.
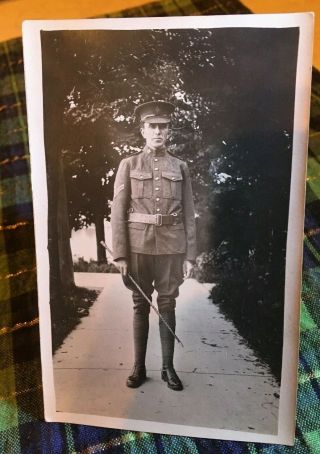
(22, 429)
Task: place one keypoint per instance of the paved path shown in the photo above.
(226, 387)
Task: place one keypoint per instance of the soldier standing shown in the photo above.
(154, 234)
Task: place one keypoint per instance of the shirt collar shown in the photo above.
(157, 152)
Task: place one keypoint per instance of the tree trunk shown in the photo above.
(65, 255)
(60, 259)
(101, 252)
(53, 249)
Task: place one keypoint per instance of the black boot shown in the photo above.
(168, 374)
(140, 338)
(137, 377)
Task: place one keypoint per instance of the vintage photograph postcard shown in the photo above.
(168, 161)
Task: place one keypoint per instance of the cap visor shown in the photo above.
(156, 120)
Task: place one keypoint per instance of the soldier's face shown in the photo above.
(155, 134)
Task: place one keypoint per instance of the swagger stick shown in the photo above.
(146, 297)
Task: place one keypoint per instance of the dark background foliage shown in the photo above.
(234, 96)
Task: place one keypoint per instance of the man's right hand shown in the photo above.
(122, 266)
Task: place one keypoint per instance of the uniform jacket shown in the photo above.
(153, 182)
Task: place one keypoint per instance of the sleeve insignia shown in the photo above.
(118, 190)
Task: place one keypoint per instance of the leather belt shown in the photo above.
(156, 219)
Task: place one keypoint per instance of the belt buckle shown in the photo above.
(158, 219)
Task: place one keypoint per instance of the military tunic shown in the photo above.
(153, 182)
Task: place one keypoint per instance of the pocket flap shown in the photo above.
(140, 175)
(173, 176)
(136, 225)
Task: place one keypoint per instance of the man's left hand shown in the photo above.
(187, 269)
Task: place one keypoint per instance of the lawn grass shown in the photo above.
(75, 305)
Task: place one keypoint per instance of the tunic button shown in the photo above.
(157, 199)
(141, 176)
(158, 209)
(157, 189)
(157, 178)
(173, 178)
(156, 168)
(156, 160)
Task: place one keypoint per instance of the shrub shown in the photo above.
(83, 266)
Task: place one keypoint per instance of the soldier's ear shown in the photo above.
(142, 130)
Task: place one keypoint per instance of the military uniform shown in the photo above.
(153, 228)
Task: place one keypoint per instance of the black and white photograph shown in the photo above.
(168, 168)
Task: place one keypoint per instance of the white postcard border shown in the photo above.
(33, 76)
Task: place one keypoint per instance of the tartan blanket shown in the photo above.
(22, 428)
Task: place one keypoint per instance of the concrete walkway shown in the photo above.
(226, 387)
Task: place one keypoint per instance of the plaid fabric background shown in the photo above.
(22, 429)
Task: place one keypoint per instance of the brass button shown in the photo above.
(157, 178)
(157, 189)
(156, 160)
(173, 178)
(141, 176)
(157, 199)
(156, 168)
(158, 209)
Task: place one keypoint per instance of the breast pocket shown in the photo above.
(172, 185)
(141, 184)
